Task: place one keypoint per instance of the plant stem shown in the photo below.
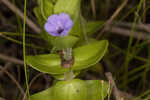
(67, 54)
(68, 75)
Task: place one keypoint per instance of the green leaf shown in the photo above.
(48, 63)
(94, 26)
(74, 90)
(76, 29)
(84, 57)
(46, 8)
(39, 16)
(43, 10)
(59, 42)
(44, 95)
(88, 55)
(97, 89)
(64, 42)
(90, 28)
(82, 42)
(71, 7)
(47, 37)
(64, 90)
(70, 90)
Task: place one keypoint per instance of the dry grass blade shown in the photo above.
(18, 12)
(112, 18)
(13, 79)
(11, 59)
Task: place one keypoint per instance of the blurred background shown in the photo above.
(126, 26)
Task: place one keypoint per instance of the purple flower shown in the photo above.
(58, 25)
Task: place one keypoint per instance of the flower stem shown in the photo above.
(68, 75)
(67, 54)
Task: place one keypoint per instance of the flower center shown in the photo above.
(60, 30)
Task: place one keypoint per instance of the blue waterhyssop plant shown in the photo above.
(72, 51)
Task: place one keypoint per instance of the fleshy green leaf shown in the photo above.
(47, 37)
(88, 55)
(60, 42)
(70, 90)
(92, 27)
(82, 42)
(84, 57)
(76, 29)
(43, 10)
(74, 90)
(97, 89)
(71, 7)
(64, 42)
(39, 16)
(48, 63)
(64, 90)
(44, 95)
(46, 8)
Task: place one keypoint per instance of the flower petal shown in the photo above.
(57, 22)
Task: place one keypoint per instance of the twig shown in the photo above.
(2, 98)
(126, 32)
(93, 8)
(116, 92)
(128, 96)
(145, 27)
(8, 64)
(11, 59)
(14, 80)
(17, 11)
(112, 18)
(48, 80)
(119, 95)
(30, 84)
